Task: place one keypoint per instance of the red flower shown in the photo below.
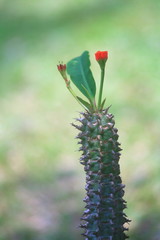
(61, 67)
(62, 70)
(101, 55)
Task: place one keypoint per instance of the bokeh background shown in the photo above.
(41, 179)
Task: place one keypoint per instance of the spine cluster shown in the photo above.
(103, 218)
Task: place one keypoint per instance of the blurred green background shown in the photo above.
(41, 179)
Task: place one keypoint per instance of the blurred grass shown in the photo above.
(41, 180)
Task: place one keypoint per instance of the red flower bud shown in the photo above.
(61, 67)
(101, 55)
(62, 70)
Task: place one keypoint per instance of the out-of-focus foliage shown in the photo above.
(41, 180)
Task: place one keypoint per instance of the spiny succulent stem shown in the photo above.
(101, 87)
(104, 217)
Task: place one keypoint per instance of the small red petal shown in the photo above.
(61, 67)
(98, 55)
(101, 55)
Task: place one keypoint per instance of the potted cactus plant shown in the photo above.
(104, 217)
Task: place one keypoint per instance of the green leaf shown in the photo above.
(81, 75)
(102, 105)
(86, 104)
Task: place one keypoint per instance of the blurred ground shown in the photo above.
(41, 180)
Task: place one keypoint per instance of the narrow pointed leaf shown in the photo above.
(86, 104)
(102, 105)
(81, 75)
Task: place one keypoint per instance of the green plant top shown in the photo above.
(104, 217)
(81, 75)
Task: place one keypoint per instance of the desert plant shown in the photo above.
(104, 217)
